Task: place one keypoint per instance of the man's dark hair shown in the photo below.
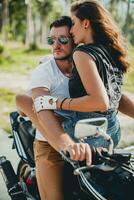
(62, 21)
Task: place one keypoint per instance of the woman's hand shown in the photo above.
(80, 151)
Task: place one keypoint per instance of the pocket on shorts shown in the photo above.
(43, 150)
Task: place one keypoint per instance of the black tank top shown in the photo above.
(110, 73)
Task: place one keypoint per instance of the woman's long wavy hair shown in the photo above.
(104, 29)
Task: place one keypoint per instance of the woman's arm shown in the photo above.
(126, 106)
(96, 98)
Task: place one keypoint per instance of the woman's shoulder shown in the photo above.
(99, 51)
(88, 46)
(94, 50)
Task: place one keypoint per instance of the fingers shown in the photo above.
(80, 152)
(71, 151)
(88, 155)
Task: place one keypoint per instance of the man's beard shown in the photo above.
(67, 57)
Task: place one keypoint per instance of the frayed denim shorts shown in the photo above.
(113, 128)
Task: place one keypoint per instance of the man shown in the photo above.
(51, 78)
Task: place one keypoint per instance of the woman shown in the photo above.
(104, 58)
(100, 60)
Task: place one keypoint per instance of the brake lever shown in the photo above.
(99, 155)
(66, 157)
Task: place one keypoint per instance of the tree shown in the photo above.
(17, 19)
(44, 8)
(37, 13)
(30, 26)
(5, 19)
(122, 11)
(127, 19)
(0, 15)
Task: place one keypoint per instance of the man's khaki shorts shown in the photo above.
(42, 150)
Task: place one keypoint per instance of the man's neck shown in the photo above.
(65, 66)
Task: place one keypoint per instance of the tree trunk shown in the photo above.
(5, 20)
(30, 25)
(126, 26)
(44, 31)
(0, 17)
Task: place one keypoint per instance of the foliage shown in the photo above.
(7, 102)
(131, 28)
(33, 47)
(56, 12)
(126, 20)
(44, 7)
(1, 47)
(129, 77)
(21, 60)
(17, 17)
(44, 11)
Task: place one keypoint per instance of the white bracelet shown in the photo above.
(45, 103)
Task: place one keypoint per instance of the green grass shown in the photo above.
(21, 60)
(7, 102)
(16, 60)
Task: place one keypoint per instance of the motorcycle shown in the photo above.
(110, 177)
(22, 184)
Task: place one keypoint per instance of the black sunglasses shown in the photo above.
(61, 40)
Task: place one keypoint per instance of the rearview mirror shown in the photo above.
(90, 127)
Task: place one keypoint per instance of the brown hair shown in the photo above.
(104, 29)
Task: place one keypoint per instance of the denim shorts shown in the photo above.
(113, 128)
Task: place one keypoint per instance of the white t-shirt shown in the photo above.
(49, 75)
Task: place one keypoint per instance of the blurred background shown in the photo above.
(24, 25)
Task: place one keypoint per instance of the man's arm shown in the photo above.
(45, 121)
(55, 134)
(126, 106)
(24, 105)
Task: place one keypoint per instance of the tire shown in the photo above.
(21, 169)
(23, 173)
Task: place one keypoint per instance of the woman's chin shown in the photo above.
(76, 42)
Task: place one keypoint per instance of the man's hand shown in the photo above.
(80, 152)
